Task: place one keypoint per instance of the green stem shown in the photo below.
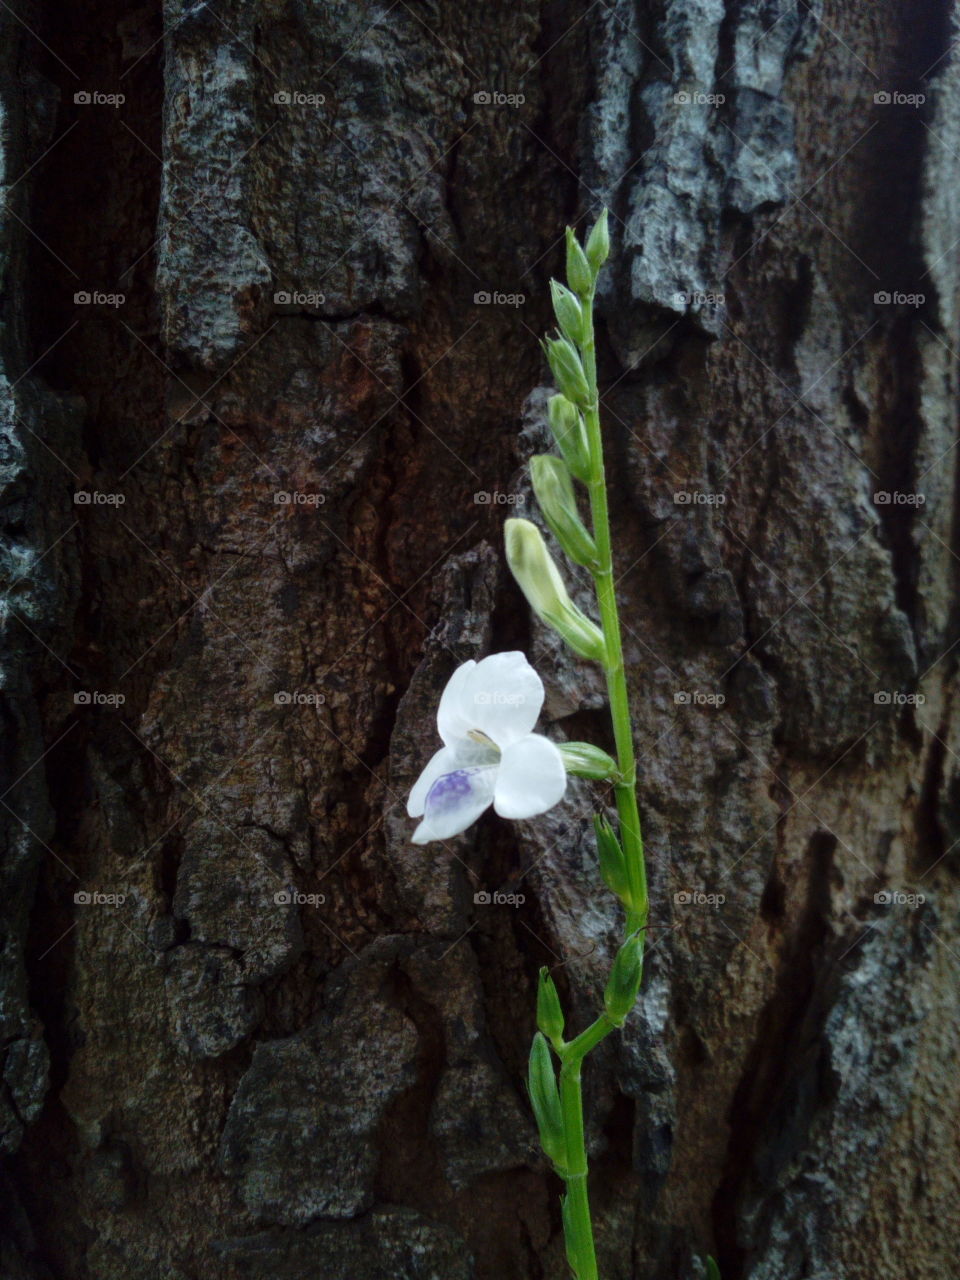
(571, 1101)
(580, 1226)
(626, 790)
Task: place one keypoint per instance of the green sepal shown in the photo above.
(613, 865)
(567, 369)
(584, 760)
(583, 636)
(571, 436)
(579, 274)
(597, 248)
(550, 1018)
(624, 981)
(713, 1271)
(553, 487)
(545, 1100)
(568, 311)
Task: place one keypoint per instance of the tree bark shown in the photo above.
(273, 278)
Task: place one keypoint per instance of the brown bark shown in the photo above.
(295, 1045)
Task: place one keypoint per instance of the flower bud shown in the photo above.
(624, 981)
(570, 435)
(568, 312)
(584, 760)
(545, 1100)
(567, 369)
(540, 581)
(613, 866)
(598, 243)
(549, 1013)
(579, 274)
(554, 490)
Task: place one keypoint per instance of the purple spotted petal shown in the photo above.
(455, 801)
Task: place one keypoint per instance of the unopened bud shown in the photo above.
(539, 579)
(613, 867)
(579, 274)
(554, 490)
(549, 1013)
(584, 760)
(570, 435)
(624, 981)
(598, 243)
(567, 369)
(545, 1100)
(568, 311)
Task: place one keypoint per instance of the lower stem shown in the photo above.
(577, 1216)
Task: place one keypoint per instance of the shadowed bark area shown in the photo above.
(273, 274)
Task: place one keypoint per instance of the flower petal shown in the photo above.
(502, 697)
(442, 762)
(452, 724)
(531, 778)
(455, 801)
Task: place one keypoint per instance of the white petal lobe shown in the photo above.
(502, 697)
(531, 778)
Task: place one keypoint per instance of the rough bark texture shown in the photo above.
(248, 1030)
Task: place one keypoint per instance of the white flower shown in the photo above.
(489, 755)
